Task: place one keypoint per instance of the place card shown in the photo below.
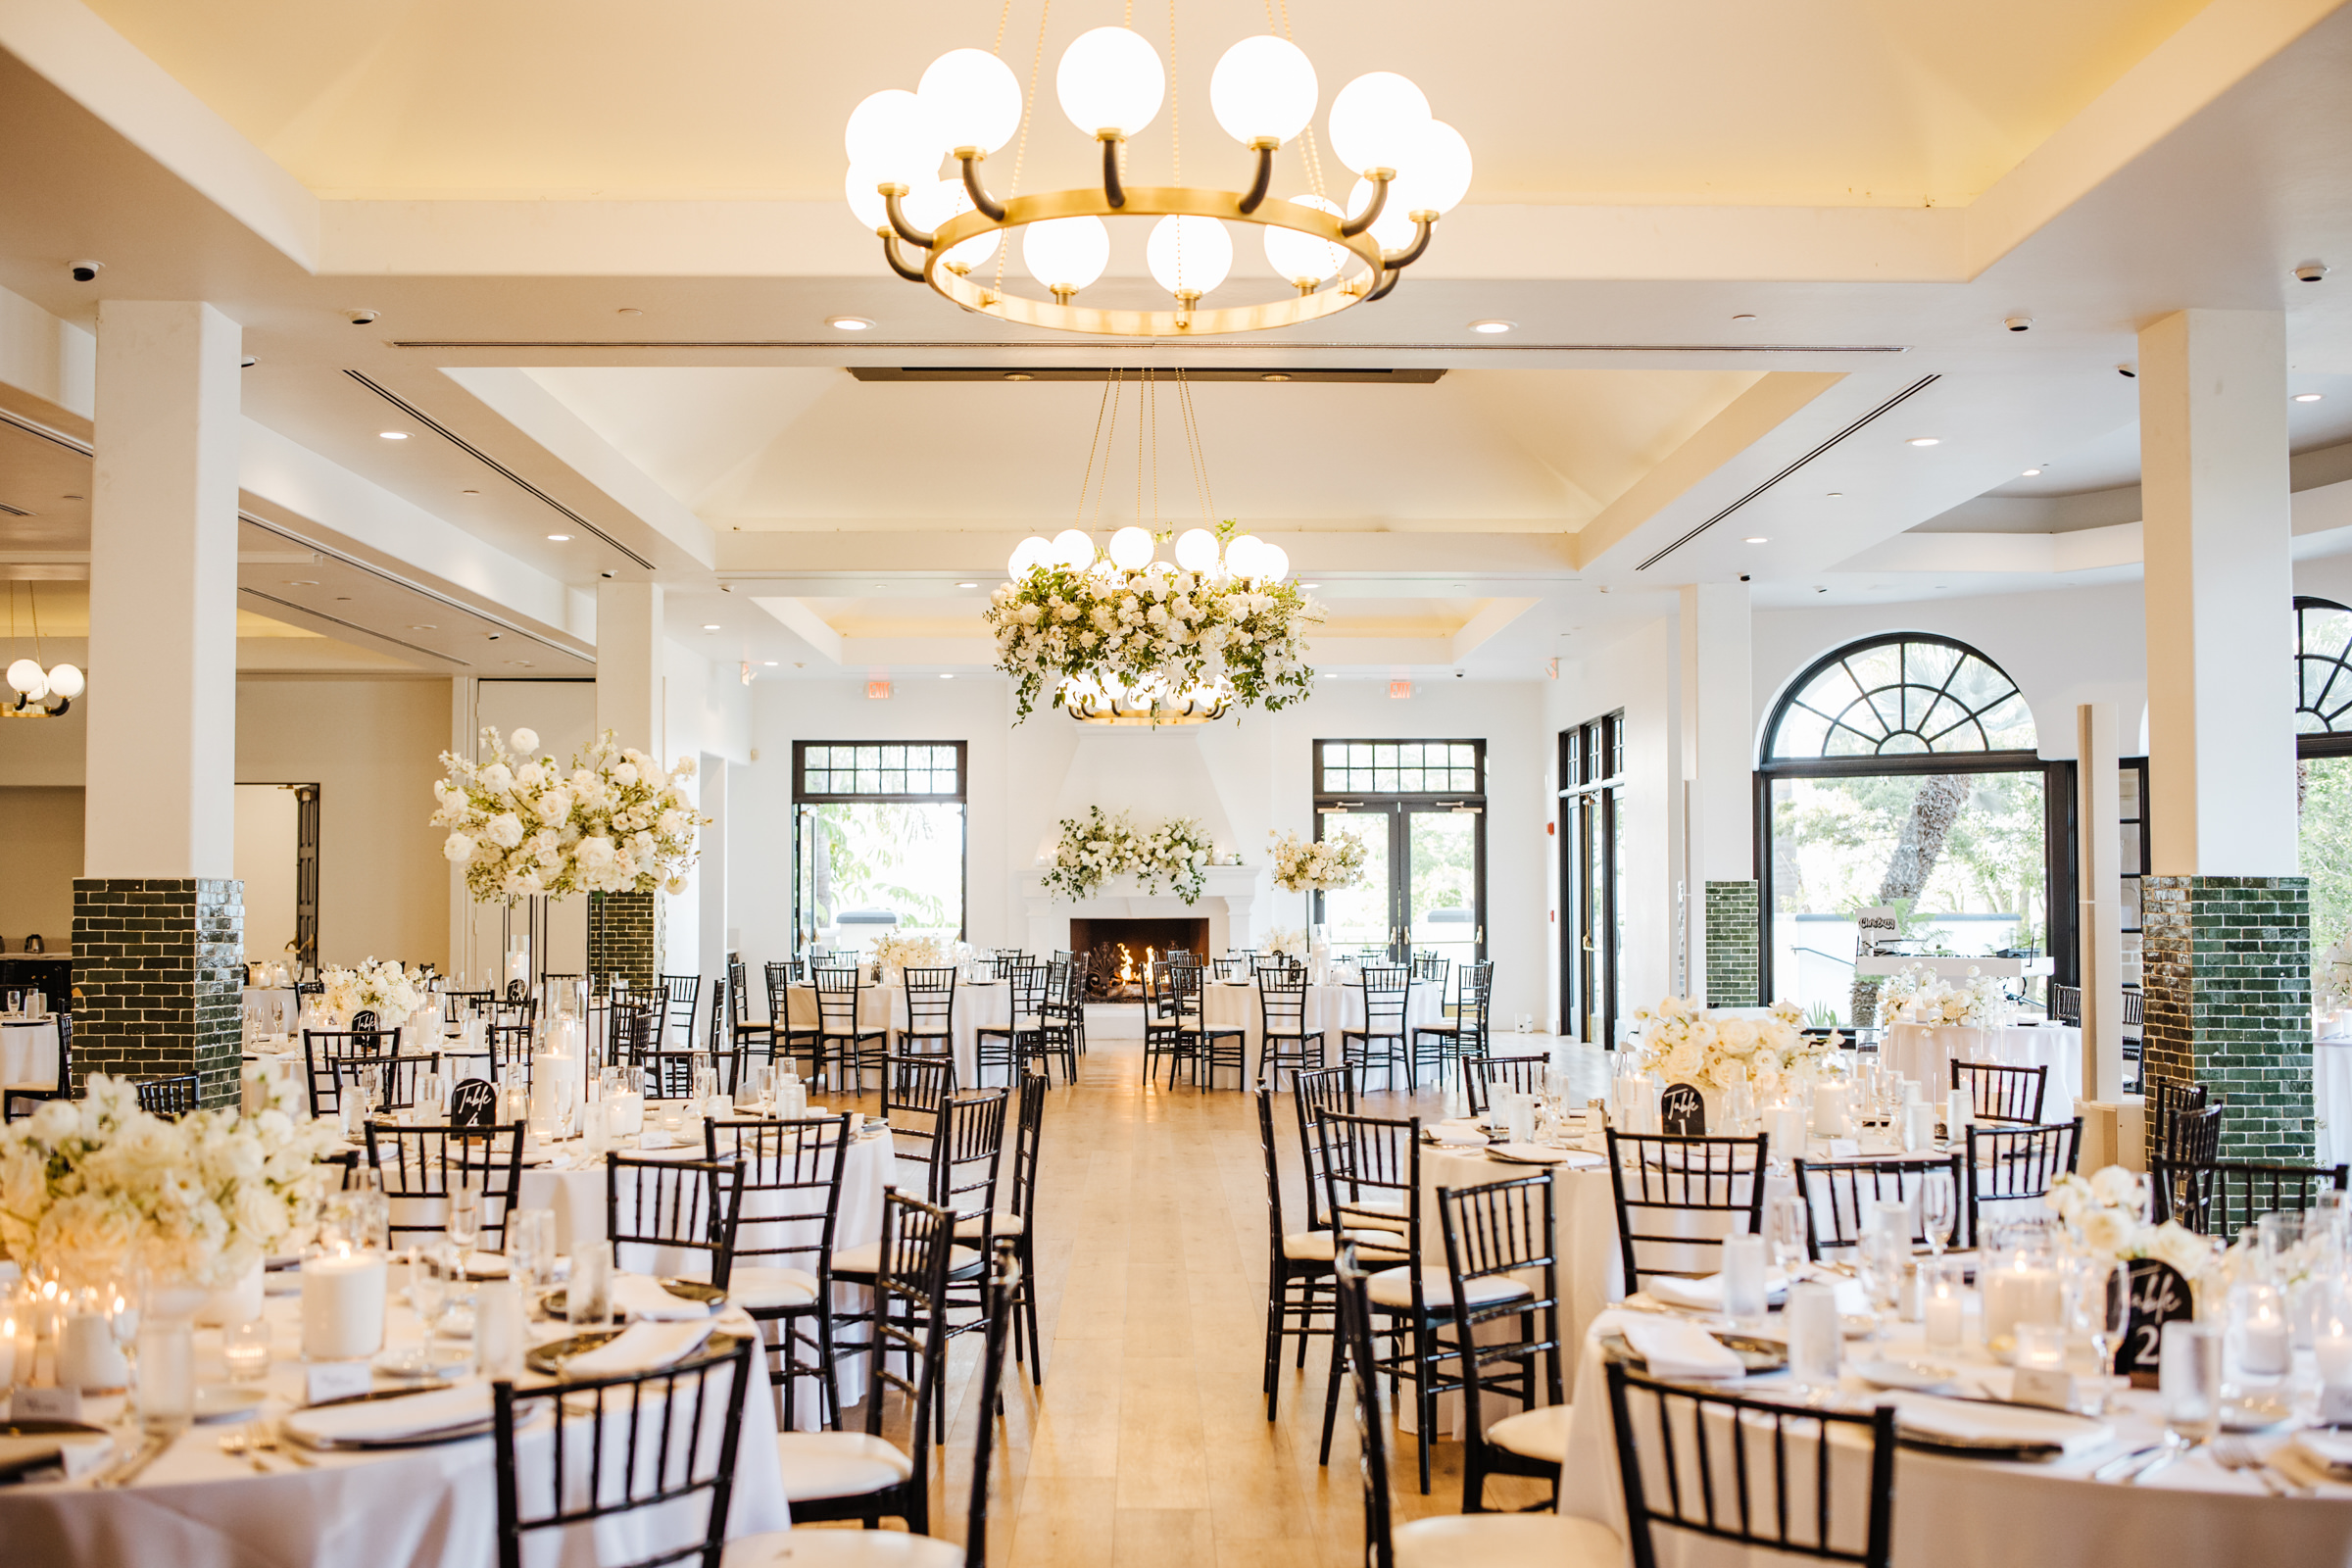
(336, 1380)
(45, 1405)
(2043, 1386)
(1846, 1149)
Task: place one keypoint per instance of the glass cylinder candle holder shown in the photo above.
(2263, 1342)
(1944, 1300)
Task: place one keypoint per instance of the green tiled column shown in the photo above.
(2228, 1003)
(158, 966)
(624, 938)
(1734, 945)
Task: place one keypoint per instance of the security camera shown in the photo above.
(1744, 576)
(84, 272)
(1459, 674)
(2018, 323)
(2308, 273)
(246, 362)
(363, 318)
(2127, 372)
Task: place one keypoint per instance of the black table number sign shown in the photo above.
(473, 1104)
(2160, 1295)
(1683, 1111)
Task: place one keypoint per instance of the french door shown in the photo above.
(1592, 840)
(1424, 884)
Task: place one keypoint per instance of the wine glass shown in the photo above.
(1879, 1258)
(2100, 1305)
(428, 1291)
(1939, 1206)
(464, 1225)
(1788, 1222)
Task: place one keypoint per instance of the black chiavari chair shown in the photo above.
(323, 1048)
(842, 1033)
(509, 1051)
(1381, 1042)
(2009, 1165)
(1838, 1192)
(396, 1077)
(1164, 1036)
(1662, 1174)
(930, 1012)
(745, 1032)
(1211, 1047)
(1313, 1093)
(2165, 1099)
(419, 1166)
(668, 1206)
(2221, 1198)
(1298, 1269)
(168, 1098)
(914, 1091)
(1502, 1231)
(2002, 1092)
(1464, 1035)
(2193, 1136)
(1061, 1025)
(782, 1268)
(679, 996)
(1284, 1044)
(1483, 1075)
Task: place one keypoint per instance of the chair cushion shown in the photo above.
(866, 1259)
(1537, 1434)
(1007, 1225)
(842, 1548)
(838, 1465)
(1394, 1286)
(1505, 1540)
(1322, 1247)
(756, 1288)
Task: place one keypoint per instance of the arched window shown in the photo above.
(1906, 693)
(2323, 667)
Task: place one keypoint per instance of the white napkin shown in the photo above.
(1967, 1422)
(641, 1348)
(1705, 1294)
(77, 1453)
(2330, 1449)
(1531, 1153)
(487, 1265)
(641, 1297)
(1678, 1349)
(377, 1420)
(1458, 1133)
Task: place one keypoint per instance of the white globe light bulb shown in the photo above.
(1189, 254)
(1131, 549)
(1066, 252)
(1263, 86)
(973, 97)
(1073, 549)
(1196, 550)
(892, 134)
(930, 205)
(1375, 121)
(1242, 555)
(1435, 174)
(66, 681)
(1273, 562)
(865, 202)
(1028, 555)
(1294, 256)
(1110, 79)
(26, 677)
(1393, 228)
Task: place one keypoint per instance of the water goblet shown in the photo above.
(464, 1224)
(2099, 1305)
(1880, 1257)
(1788, 1222)
(1939, 1206)
(2190, 1381)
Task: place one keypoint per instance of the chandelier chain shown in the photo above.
(1142, 419)
(1152, 385)
(1003, 16)
(1192, 425)
(1109, 440)
(1020, 150)
(1314, 161)
(1086, 482)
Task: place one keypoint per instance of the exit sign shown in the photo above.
(877, 691)
(1400, 689)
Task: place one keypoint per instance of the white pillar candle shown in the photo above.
(1942, 1311)
(1912, 1091)
(624, 1115)
(87, 1356)
(1957, 1114)
(2334, 1352)
(7, 1351)
(2266, 1348)
(2019, 1293)
(343, 1306)
(1787, 1132)
(1829, 1111)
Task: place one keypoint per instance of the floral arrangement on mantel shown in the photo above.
(1097, 845)
(521, 826)
(1918, 995)
(385, 988)
(2108, 1214)
(1686, 1044)
(96, 1186)
(1318, 865)
(1158, 630)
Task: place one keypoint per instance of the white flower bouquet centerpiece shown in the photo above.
(1154, 631)
(97, 1188)
(894, 954)
(521, 825)
(393, 994)
(2107, 1216)
(1330, 864)
(1918, 995)
(1290, 941)
(1101, 845)
(1687, 1043)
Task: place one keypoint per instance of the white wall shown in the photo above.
(43, 857)
(268, 855)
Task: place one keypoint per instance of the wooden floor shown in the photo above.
(1149, 1443)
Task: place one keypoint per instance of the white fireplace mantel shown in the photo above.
(1231, 901)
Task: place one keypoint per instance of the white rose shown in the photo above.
(624, 774)
(2117, 1188)
(2184, 1248)
(526, 741)
(497, 778)
(2108, 1232)
(504, 830)
(457, 848)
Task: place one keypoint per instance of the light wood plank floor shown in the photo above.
(1149, 1443)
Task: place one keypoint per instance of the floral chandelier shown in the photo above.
(32, 684)
(1126, 638)
(1111, 85)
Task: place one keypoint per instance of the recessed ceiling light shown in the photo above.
(713, 626)
(68, 498)
(1275, 375)
(2307, 397)
(393, 435)
(1836, 495)
(1744, 316)
(558, 538)
(423, 626)
(1926, 440)
(944, 675)
(2033, 473)
(848, 323)
(628, 310)
(1310, 585)
(1010, 375)
(342, 599)
(1757, 539)
(470, 492)
(302, 582)
(767, 664)
(1492, 325)
(968, 585)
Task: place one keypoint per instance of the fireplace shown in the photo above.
(1120, 947)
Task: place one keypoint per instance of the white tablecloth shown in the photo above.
(436, 1507)
(276, 1007)
(1926, 1053)
(979, 1005)
(2331, 1098)
(1983, 1513)
(28, 1052)
(1330, 1009)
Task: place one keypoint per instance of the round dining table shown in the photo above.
(28, 1052)
(200, 1506)
(979, 1005)
(1330, 1009)
(1926, 1053)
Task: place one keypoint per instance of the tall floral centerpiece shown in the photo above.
(1684, 1042)
(1103, 843)
(393, 994)
(1330, 864)
(97, 1188)
(523, 826)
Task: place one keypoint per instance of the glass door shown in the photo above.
(1362, 918)
(1420, 809)
(1592, 761)
(1441, 886)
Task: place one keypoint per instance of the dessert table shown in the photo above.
(28, 1050)
(1330, 1009)
(1975, 1512)
(979, 1005)
(1926, 1051)
(197, 1506)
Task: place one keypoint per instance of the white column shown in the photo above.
(2099, 910)
(2220, 591)
(163, 702)
(630, 664)
(1718, 762)
(710, 869)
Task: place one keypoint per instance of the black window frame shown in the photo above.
(1592, 769)
(804, 933)
(1400, 804)
(2329, 742)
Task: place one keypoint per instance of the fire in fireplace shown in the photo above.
(1120, 950)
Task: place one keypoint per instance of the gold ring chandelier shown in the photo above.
(1111, 85)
